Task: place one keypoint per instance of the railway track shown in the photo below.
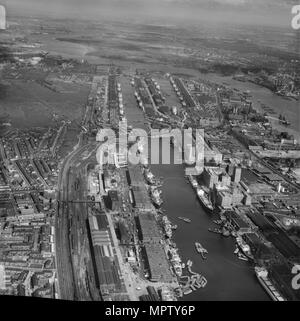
(68, 288)
(63, 250)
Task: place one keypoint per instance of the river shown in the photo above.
(228, 277)
(290, 108)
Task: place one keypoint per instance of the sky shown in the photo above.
(245, 11)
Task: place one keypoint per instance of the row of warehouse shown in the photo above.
(104, 260)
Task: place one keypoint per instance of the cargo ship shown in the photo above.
(150, 178)
(262, 276)
(156, 198)
(193, 181)
(167, 226)
(203, 197)
(244, 247)
(176, 261)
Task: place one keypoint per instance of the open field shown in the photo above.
(29, 104)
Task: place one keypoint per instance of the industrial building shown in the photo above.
(157, 263)
(113, 201)
(104, 260)
(148, 228)
(135, 177)
(141, 200)
(211, 176)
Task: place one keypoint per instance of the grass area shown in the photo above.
(69, 141)
(29, 104)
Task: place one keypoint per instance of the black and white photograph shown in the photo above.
(149, 154)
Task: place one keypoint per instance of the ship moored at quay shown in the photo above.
(202, 194)
(264, 280)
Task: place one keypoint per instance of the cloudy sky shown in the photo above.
(256, 11)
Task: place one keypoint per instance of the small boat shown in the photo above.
(197, 285)
(155, 197)
(242, 257)
(225, 232)
(193, 287)
(201, 250)
(215, 230)
(189, 263)
(187, 220)
(203, 282)
(234, 233)
(218, 222)
(188, 291)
